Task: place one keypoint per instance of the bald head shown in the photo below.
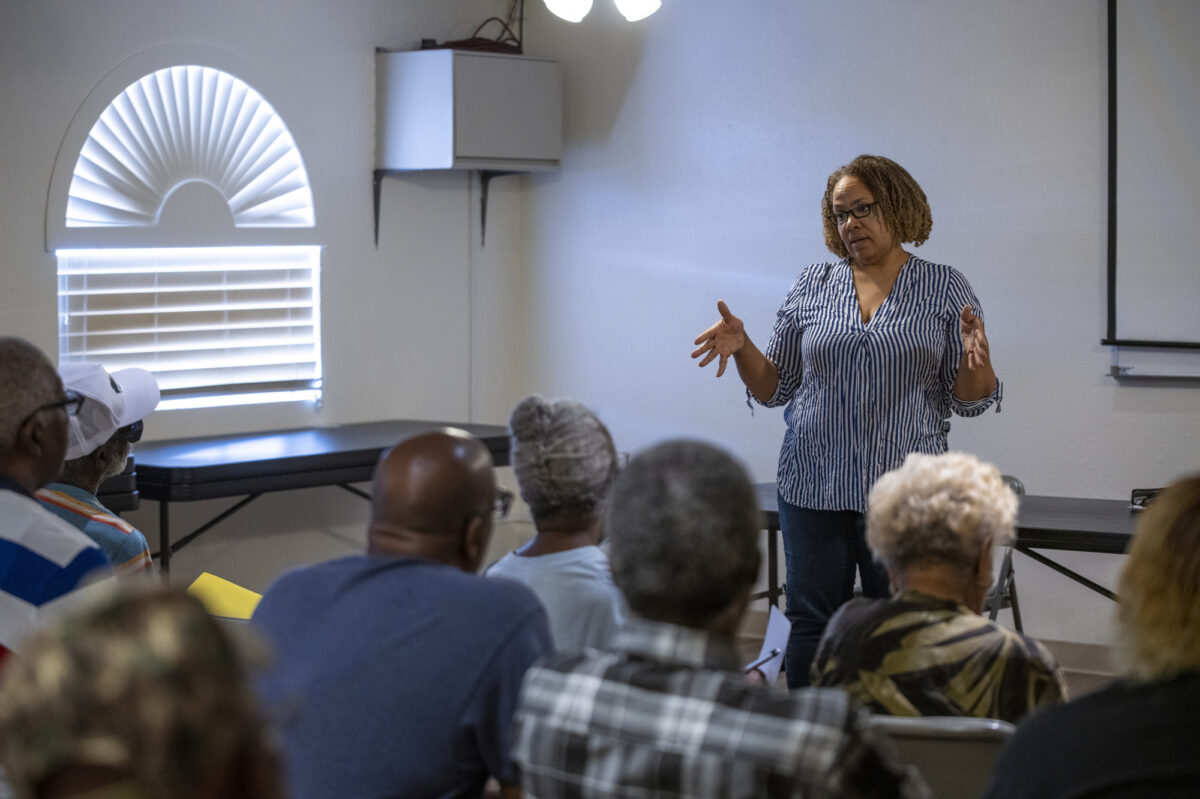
(432, 498)
(30, 453)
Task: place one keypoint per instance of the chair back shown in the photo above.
(955, 754)
(1004, 592)
(1014, 484)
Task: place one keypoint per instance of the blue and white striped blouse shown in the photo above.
(862, 395)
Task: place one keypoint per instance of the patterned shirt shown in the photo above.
(917, 655)
(42, 561)
(664, 712)
(123, 544)
(862, 395)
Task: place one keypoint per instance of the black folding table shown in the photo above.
(250, 464)
(1043, 523)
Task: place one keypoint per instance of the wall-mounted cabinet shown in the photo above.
(454, 109)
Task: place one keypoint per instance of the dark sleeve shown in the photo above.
(824, 665)
(488, 716)
(1018, 767)
(828, 669)
(1031, 680)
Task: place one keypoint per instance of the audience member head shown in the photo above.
(564, 460)
(101, 435)
(683, 526)
(141, 695)
(33, 415)
(1158, 616)
(934, 520)
(433, 498)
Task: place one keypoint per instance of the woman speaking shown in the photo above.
(870, 354)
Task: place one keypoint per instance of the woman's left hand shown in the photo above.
(974, 341)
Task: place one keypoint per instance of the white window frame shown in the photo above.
(230, 321)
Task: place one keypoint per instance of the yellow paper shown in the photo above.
(223, 598)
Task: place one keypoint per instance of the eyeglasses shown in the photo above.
(132, 433)
(858, 212)
(71, 404)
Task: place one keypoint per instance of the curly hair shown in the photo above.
(563, 457)
(902, 207)
(939, 509)
(1158, 611)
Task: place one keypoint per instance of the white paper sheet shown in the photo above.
(774, 645)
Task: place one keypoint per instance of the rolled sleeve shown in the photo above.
(783, 348)
(958, 294)
(975, 407)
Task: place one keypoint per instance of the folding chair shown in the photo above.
(955, 754)
(1004, 594)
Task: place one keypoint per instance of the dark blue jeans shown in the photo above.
(823, 549)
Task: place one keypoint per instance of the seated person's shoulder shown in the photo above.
(38, 530)
(829, 706)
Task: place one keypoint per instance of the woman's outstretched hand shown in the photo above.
(726, 338)
(974, 342)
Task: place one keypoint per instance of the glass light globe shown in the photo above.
(633, 10)
(570, 10)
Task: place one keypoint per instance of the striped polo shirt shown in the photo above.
(123, 544)
(862, 395)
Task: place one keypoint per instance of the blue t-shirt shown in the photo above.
(576, 588)
(396, 677)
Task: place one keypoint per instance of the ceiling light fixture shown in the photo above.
(633, 10)
(576, 10)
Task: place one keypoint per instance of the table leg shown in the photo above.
(773, 589)
(1063, 570)
(164, 538)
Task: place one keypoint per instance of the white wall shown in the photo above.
(414, 329)
(698, 142)
(701, 140)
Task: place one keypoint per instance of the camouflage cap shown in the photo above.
(144, 684)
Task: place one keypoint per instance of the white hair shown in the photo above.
(939, 509)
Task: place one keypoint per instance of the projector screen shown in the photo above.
(1154, 280)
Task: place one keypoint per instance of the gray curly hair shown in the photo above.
(939, 509)
(563, 457)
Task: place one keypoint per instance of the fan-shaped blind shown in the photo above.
(189, 123)
(216, 325)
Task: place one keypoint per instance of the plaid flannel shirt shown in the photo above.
(665, 712)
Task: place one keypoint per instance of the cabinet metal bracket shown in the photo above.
(485, 179)
(377, 178)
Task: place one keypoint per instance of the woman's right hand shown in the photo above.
(725, 338)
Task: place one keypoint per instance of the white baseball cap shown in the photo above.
(111, 402)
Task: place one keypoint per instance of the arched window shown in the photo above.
(183, 160)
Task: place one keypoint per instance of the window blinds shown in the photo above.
(215, 325)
